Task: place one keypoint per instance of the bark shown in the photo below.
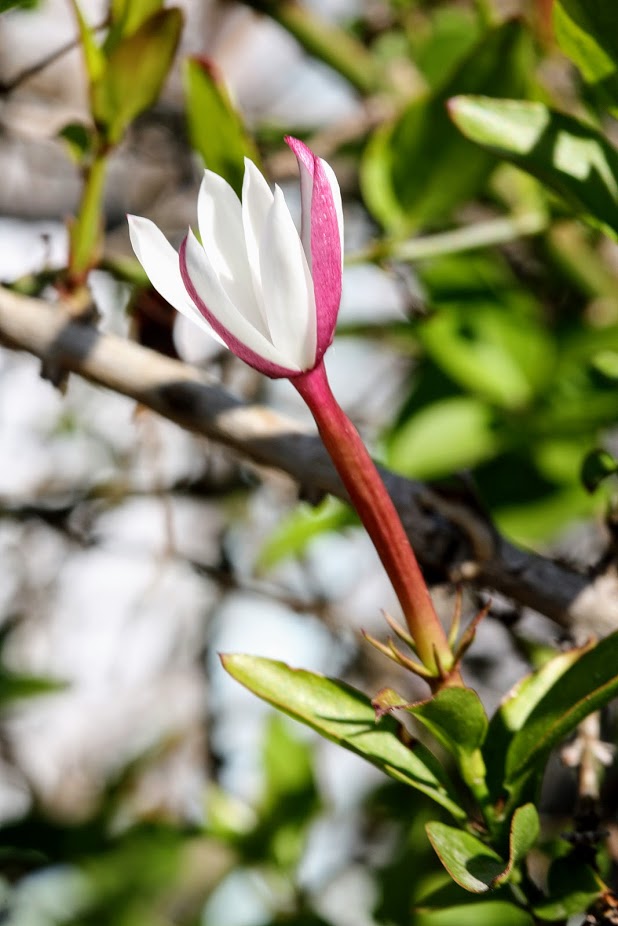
(452, 537)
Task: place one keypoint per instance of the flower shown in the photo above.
(271, 295)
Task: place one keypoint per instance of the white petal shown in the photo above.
(257, 198)
(306, 195)
(288, 287)
(335, 190)
(223, 238)
(208, 286)
(160, 261)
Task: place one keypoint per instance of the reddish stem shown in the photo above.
(377, 512)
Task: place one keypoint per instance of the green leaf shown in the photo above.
(290, 799)
(572, 888)
(21, 4)
(449, 36)
(572, 159)
(499, 352)
(525, 830)
(517, 707)
(469, 862)
(598, 464)
(135, 73)
(488, 913)
(606, 363)
(589, 684)
(79, 139)
(287, 762)
(126, 18)
(474, 865)
(346, 716)
(453, 433)
(14, 686)
(93, 54)
(457, 719)
(216, 129)
(417, 170)
(455, 716)
(292, 535)
(587, 31)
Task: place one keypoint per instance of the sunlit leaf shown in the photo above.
(491, 349)
(216, 129)
(517, 706)
(346, 716)
(294, 532)
(589, 684)
(416, 170)
(455, 716)
(451, 434)
(587, 31)
(571, 158)
(488, 913)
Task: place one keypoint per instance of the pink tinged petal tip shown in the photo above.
(237, 346)
(326, 226)
(326, 235)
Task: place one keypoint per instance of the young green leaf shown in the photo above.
(135, 72)
(346, 716)
(455, 716)
(587, 31)
(457, 719)
(571, 158)
(93, 54)
(126, 17)
(216, 129)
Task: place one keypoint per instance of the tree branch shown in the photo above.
(452, 538)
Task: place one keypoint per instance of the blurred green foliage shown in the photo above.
(513, 374)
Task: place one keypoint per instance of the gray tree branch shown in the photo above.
(452, 537)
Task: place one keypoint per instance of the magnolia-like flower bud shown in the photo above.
(269, 294)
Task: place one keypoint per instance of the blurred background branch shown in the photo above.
(452, 535)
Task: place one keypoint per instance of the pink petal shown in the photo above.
(326, 251)
(238, 347)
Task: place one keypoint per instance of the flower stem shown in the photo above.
(85, 232)
(377, 512)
